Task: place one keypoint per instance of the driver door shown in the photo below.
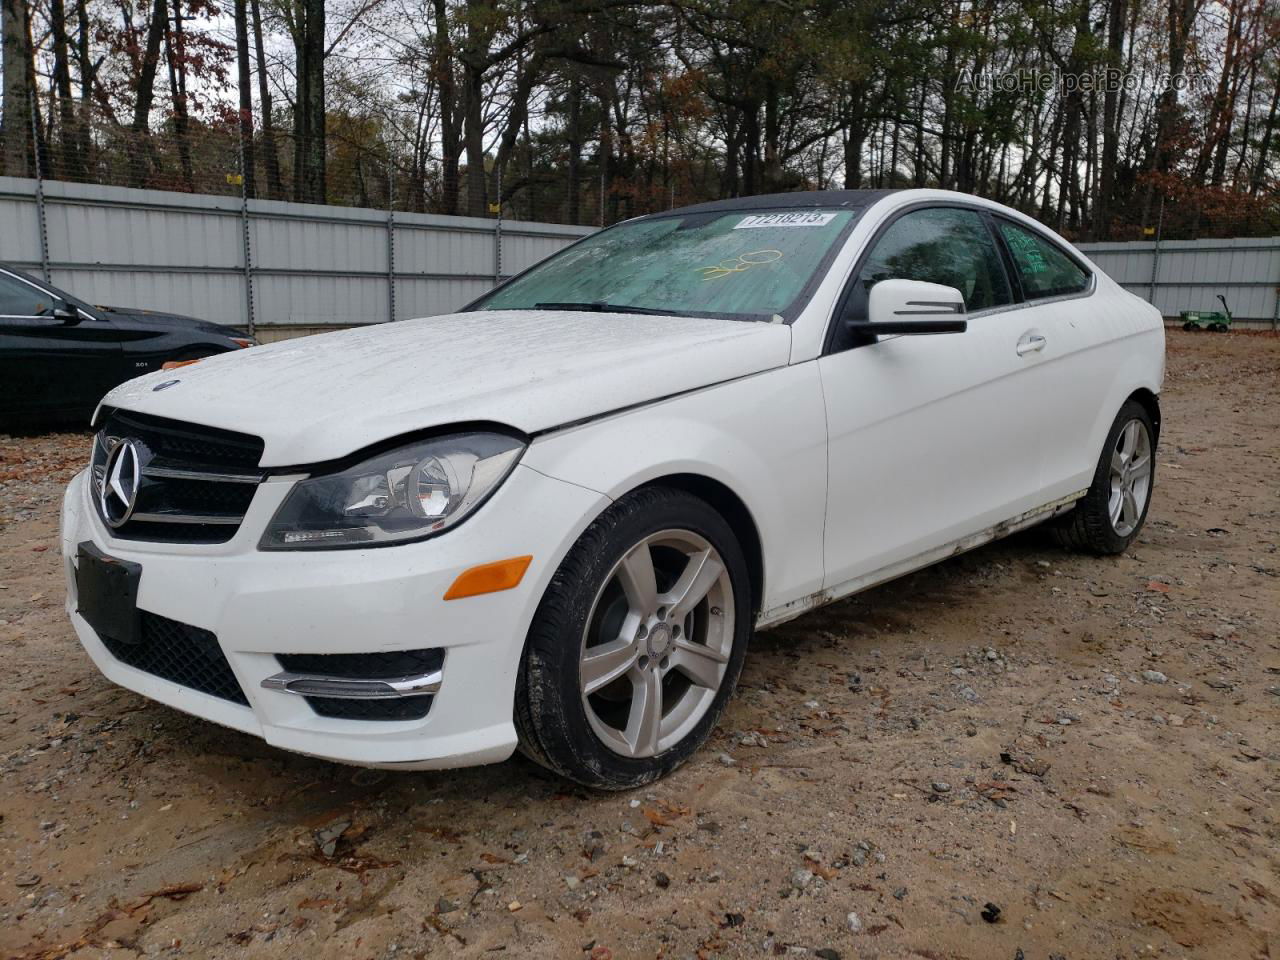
(50, 367)
(931, 439)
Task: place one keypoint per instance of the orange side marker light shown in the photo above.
(489, 578)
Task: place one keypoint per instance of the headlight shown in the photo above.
(409, 493)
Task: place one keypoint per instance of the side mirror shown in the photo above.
(66, 314)
(912, 307)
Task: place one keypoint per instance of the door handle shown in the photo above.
(1031, 343)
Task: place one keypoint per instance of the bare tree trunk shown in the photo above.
(1181, 16)
(88, 70)
(729, 178)
(248, 163)
(528, 75)
(270, 155)
(918, 173)
(145, 95)
(473, 136)
(67, 163)
(1247, 127)
(1218, 125)
(17, 99)
(1110, 121)
(450, 121)
(574, 211)
(309, 113)
(175, 44)
(751, 149)
(1259, 179)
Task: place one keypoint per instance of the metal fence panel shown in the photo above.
(314, 265)
(304, 264)
(1178, 275)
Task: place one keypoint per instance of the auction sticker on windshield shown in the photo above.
(785, 220)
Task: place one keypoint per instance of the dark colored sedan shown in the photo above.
(59, 355)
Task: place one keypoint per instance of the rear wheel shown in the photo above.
(637, 644)
(1107, 519)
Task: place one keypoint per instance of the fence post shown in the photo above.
(1155, 254)
(251, 326)
(497, 235)
(391, 245)
(41, 222)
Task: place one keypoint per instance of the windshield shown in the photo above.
(741, 265)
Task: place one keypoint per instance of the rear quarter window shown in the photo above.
(1044, 268)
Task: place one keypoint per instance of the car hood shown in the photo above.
(322, 397)
(161, 319)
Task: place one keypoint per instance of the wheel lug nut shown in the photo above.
(663, 663)
(642, 632)
(644, 663)
(662, 613)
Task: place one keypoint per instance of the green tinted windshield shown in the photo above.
(744, 264)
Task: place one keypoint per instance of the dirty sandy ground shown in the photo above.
(1091, 746)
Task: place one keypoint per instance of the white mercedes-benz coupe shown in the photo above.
(552, 520)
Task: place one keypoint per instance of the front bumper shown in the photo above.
(260, 604)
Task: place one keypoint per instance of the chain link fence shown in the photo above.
(363, 166)
(393, 163)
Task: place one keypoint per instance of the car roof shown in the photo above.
(772, 201)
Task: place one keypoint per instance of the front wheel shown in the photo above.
(637, 644)
(1107, 519)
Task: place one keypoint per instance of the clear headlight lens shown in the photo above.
(405, 494)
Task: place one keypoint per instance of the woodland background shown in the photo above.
(590, 111)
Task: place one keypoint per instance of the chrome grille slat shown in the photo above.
(172, 473)
(185, 518)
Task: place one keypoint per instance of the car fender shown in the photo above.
(1142, 368)
(763, 437)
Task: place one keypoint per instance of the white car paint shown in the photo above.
(317, 398)
(853, 466)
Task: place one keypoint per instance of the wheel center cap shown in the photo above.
(659, 640)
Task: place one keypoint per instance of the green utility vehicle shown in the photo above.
(1218, 322)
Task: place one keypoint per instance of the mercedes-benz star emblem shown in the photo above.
(119, 493)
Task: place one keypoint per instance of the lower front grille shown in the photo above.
(367, 666)
(181, 653)
(407, 708)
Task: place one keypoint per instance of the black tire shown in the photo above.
(550, 715)
(1088, 527)
(1188, 326)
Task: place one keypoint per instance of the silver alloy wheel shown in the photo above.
(1130, 477)
(657, 643)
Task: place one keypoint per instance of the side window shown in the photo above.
(943, 245)
(1043, 268)
(18, 299)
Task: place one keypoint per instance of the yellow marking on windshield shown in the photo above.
(740, 263)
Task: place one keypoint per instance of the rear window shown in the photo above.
(740, 265)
